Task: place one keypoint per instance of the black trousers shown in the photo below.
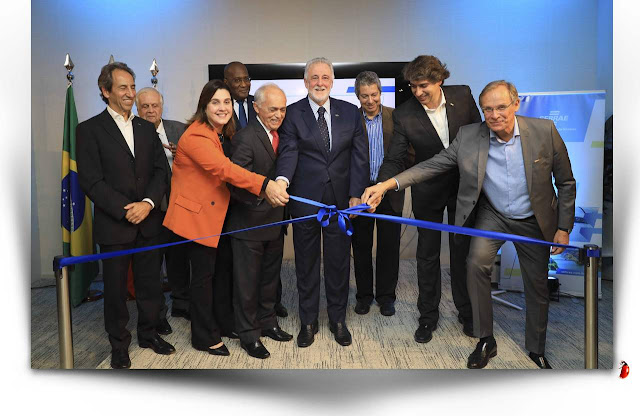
(146, 281)
(387, 256)
(335, 250)
(223, 286)
(178, 272)
(428, 262)
(205, 330)
(256, 273)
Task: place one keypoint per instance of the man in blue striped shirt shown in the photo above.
(377, 119)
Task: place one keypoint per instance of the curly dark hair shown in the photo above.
(425, 67)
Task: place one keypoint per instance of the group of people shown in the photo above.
(239, 157)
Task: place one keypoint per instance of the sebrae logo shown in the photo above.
(555, 116)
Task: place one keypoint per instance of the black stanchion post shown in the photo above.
(590, 253)
(65, 335)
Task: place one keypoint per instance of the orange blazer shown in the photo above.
(199, 194)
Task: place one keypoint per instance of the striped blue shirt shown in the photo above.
(505, 182)
(376, 144)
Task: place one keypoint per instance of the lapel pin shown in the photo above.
(337, 115)
(451, 104)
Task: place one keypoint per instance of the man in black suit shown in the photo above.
(150, 105)
(324, 156)
(236, 76)
(122, 169)
(429, 122)
(378, 123)
(237, 79)
(257, 254)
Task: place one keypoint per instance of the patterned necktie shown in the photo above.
(275, 141)
(324, 129)
(242, 116)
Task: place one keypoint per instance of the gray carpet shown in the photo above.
(378, 342)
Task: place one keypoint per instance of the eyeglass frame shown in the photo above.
(490, 110)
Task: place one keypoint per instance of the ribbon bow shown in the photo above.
(327, 211)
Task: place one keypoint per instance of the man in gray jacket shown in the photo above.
(506, 166)
(150, 104)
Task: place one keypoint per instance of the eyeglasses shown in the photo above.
(500, 109)
(239, 80)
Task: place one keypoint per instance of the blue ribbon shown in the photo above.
(323, 216)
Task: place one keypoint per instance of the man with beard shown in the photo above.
(324, 156)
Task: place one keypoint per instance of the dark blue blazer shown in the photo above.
(304, 161)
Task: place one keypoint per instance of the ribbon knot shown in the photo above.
(327, 211)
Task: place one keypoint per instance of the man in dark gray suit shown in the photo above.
(236, 76)
(257, 254)
(150, 105)
(506, 165)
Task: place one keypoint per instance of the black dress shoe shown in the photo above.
(362, 308)
(424, 333)
(306, 334)
(387, 309)
(540, 360)
(276, 333)
(222, 350)
(485, 350)
(120, 359)
(163, 327)
(181, 313)
(230, 335)
(256, 350)
(281, 311)
(341, 333)
(157, 344)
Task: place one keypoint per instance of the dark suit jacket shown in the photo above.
(544, 154)
(251, 113)
(174, 130)
(396, 199)
(305, 163)
(252, 149)
(412, 126)
(112, 178)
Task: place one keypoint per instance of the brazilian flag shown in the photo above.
(76, 218)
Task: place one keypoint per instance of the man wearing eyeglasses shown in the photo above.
(506, 167)
(429, 122)
(236, 76)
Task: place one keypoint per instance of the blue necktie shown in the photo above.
(242, 116)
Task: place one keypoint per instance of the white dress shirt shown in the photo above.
(165, 141)
(438, 117)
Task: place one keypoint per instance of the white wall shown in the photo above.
(540, 45)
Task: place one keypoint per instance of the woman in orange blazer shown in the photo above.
(199, 200)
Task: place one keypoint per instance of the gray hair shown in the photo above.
(319, 60)
(260, 95)
(367, 78)
(146, 90)
(105, 79)
(513, 92)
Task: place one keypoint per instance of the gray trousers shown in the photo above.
(534, 260)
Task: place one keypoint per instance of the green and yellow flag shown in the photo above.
(76, 218)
